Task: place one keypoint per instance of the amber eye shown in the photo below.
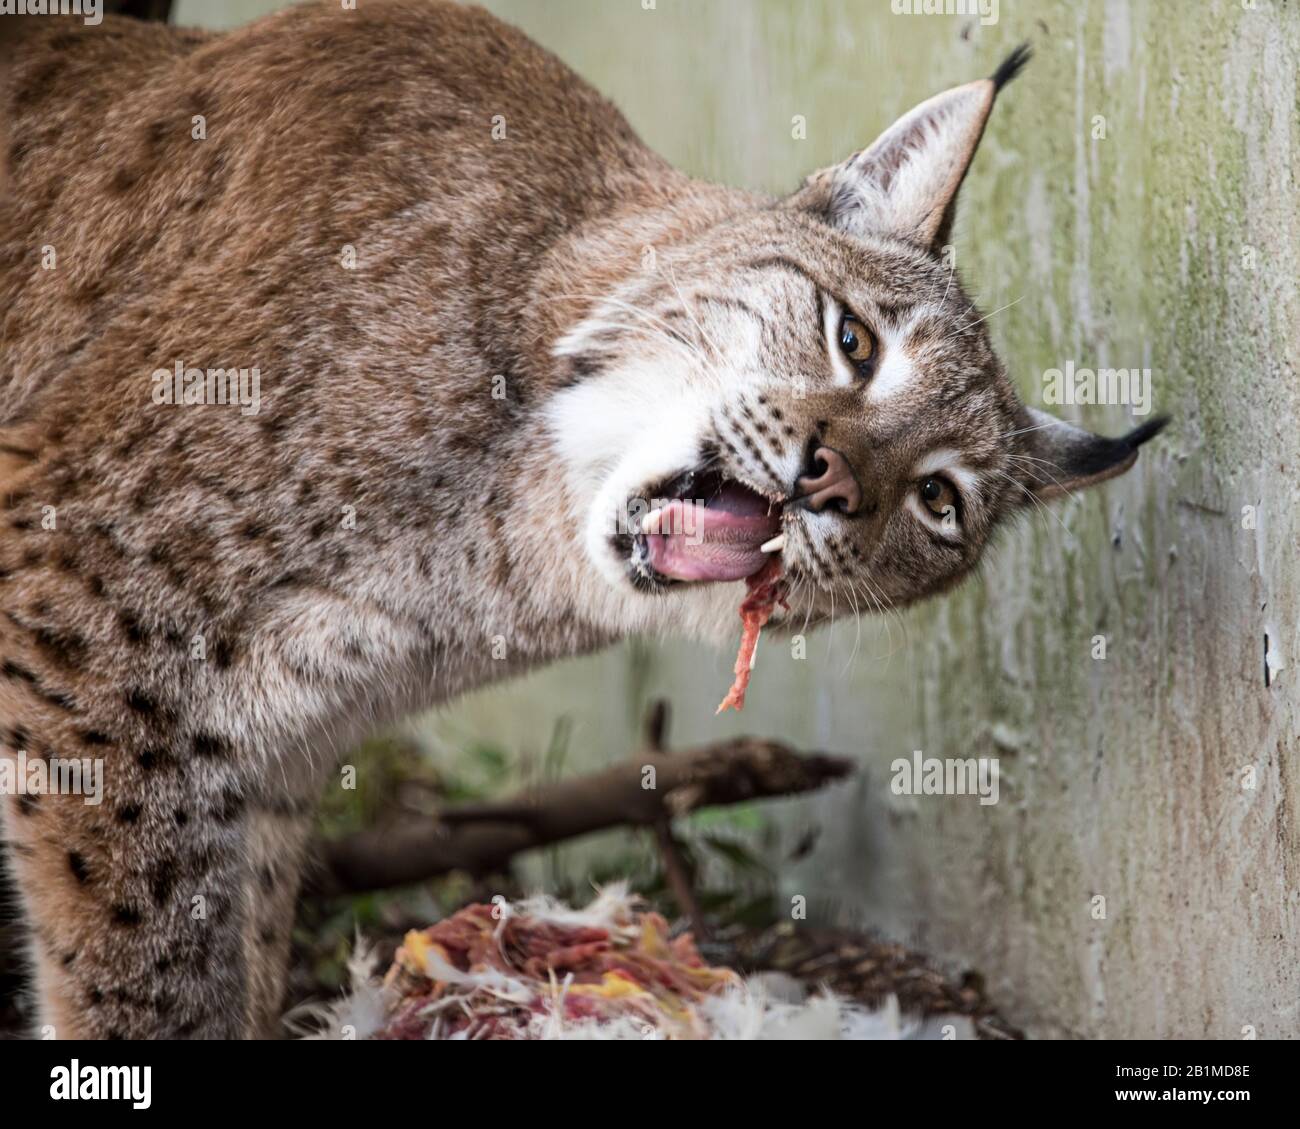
(857, 342)
(938, 495)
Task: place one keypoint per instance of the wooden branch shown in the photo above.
(681, 878)
(482, 838)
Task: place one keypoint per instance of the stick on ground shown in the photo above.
(482, 838)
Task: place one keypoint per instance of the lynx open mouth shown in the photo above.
(701, 527)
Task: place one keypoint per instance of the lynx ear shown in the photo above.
(906, 184)
(1067, 458)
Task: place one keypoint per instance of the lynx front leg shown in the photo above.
(278, 836)
(158, 894)
(134, 893)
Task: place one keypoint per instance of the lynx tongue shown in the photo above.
(719, 540)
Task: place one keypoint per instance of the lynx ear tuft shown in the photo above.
(906, 184)
(1011, 66)
(1068, 458)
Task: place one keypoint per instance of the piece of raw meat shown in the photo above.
(765, 592)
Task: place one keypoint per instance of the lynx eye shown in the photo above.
(858, 343)
(938, 495)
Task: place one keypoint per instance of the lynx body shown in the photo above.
(429, 240)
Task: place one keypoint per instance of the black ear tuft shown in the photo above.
(1150, 430)
(1012, 65)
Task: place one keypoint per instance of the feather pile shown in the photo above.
(539, 970)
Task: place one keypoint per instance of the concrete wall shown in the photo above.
(1162, 778)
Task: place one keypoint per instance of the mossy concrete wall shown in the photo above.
(1135, 204)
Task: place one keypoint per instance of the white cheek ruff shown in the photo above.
(615, 434)
(619, 432)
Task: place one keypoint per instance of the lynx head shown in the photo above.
(808, 377)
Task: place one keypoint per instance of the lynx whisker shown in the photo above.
(889, 613)
(1033, 469)
(1026, 430)
(690, 313)
(851, 594)
(1037, 501)
(656, 324)
(971, 325)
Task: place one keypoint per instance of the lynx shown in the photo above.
(504, 352)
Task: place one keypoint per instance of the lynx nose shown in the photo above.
(836, 485)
